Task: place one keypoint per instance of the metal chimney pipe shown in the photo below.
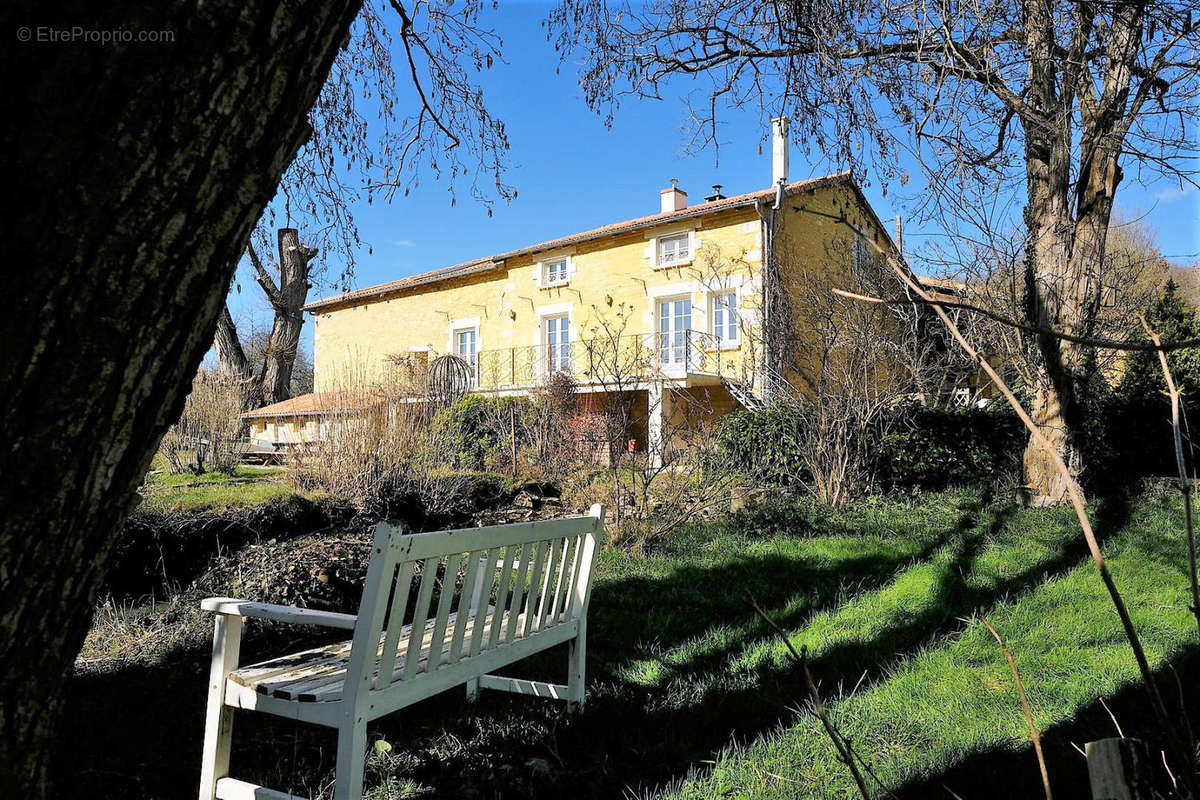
(779, 150)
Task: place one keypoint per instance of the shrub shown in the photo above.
(207, 432)
(466, 431)
(767, 445)
(933, 448)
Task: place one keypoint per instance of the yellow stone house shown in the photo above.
(673, 307)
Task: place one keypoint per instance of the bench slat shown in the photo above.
(395, 620)
(535, 585)
(518, 592)
(420, 615)
(463, 613)
(484, 590)
(502, 595)
(548, 584)
(462, 540)
(449, 578)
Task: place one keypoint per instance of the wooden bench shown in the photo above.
(536, 575)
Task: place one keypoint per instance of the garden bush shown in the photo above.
(767, 444)
(933, 448)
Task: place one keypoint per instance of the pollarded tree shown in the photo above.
(368, 140)
(142, 152)
(1049, 99)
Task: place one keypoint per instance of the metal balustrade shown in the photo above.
(628, 359)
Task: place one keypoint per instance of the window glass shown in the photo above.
(673, 249)
(555, 271)
(725, 316)
(558, 343)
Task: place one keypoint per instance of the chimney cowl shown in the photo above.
(673, 199)
(779, 150)
(716, 195)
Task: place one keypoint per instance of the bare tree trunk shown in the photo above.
(141, 169)
(287, 299)
(233, 358)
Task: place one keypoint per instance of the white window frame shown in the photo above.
(683, 261)
(715, 311)
(458, 326)
(542, 267)
(544, 326)
(666, 233)
(660, 343)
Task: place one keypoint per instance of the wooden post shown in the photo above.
(218, 719)
(1119, 769)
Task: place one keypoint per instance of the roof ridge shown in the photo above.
(493, 261)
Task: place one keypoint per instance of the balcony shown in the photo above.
(627, 361)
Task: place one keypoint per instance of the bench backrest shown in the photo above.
(517, 580)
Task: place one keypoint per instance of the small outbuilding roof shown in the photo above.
(316, 403)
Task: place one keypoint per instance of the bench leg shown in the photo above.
(576, 665)
(351, 760)
(472, 690)
(218, 719)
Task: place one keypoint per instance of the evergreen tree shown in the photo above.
(1173, 320)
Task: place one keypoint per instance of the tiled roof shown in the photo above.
(495, 262)
(316, 403)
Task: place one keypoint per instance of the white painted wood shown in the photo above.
(535, 586)
(395, 623)
(518, 592)
(351, 760)
(576, 571)
(439, 629)
(541, 602)
(233, 789)
(464, 614)
(556, 601)
(483, 591)
(548, 583)
(556, 691)
(289, 614)
(420, 616)
(503, 593)
(422, 545)
(218, 717)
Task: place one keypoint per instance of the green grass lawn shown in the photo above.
(690, 696)
(214, 491)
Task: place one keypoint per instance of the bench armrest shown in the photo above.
(296, 616)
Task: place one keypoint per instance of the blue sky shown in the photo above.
(572, 173)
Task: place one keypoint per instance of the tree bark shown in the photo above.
(141, 169)
(233, 359)
(1067, 224)
(287, 299)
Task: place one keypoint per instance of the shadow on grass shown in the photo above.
(136, 732)
(1014, 772)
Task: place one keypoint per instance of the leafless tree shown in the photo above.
(142, 168)
(1048, 99)
(207, 432)
(368, 141)
(853, 365)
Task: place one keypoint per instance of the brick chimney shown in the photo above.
(673, 199)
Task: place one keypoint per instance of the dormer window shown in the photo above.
(555, 272)
(674, 250)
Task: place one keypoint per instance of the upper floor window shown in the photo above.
(466, 343)
(725, 317)
(675, 249)
(554, 272)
